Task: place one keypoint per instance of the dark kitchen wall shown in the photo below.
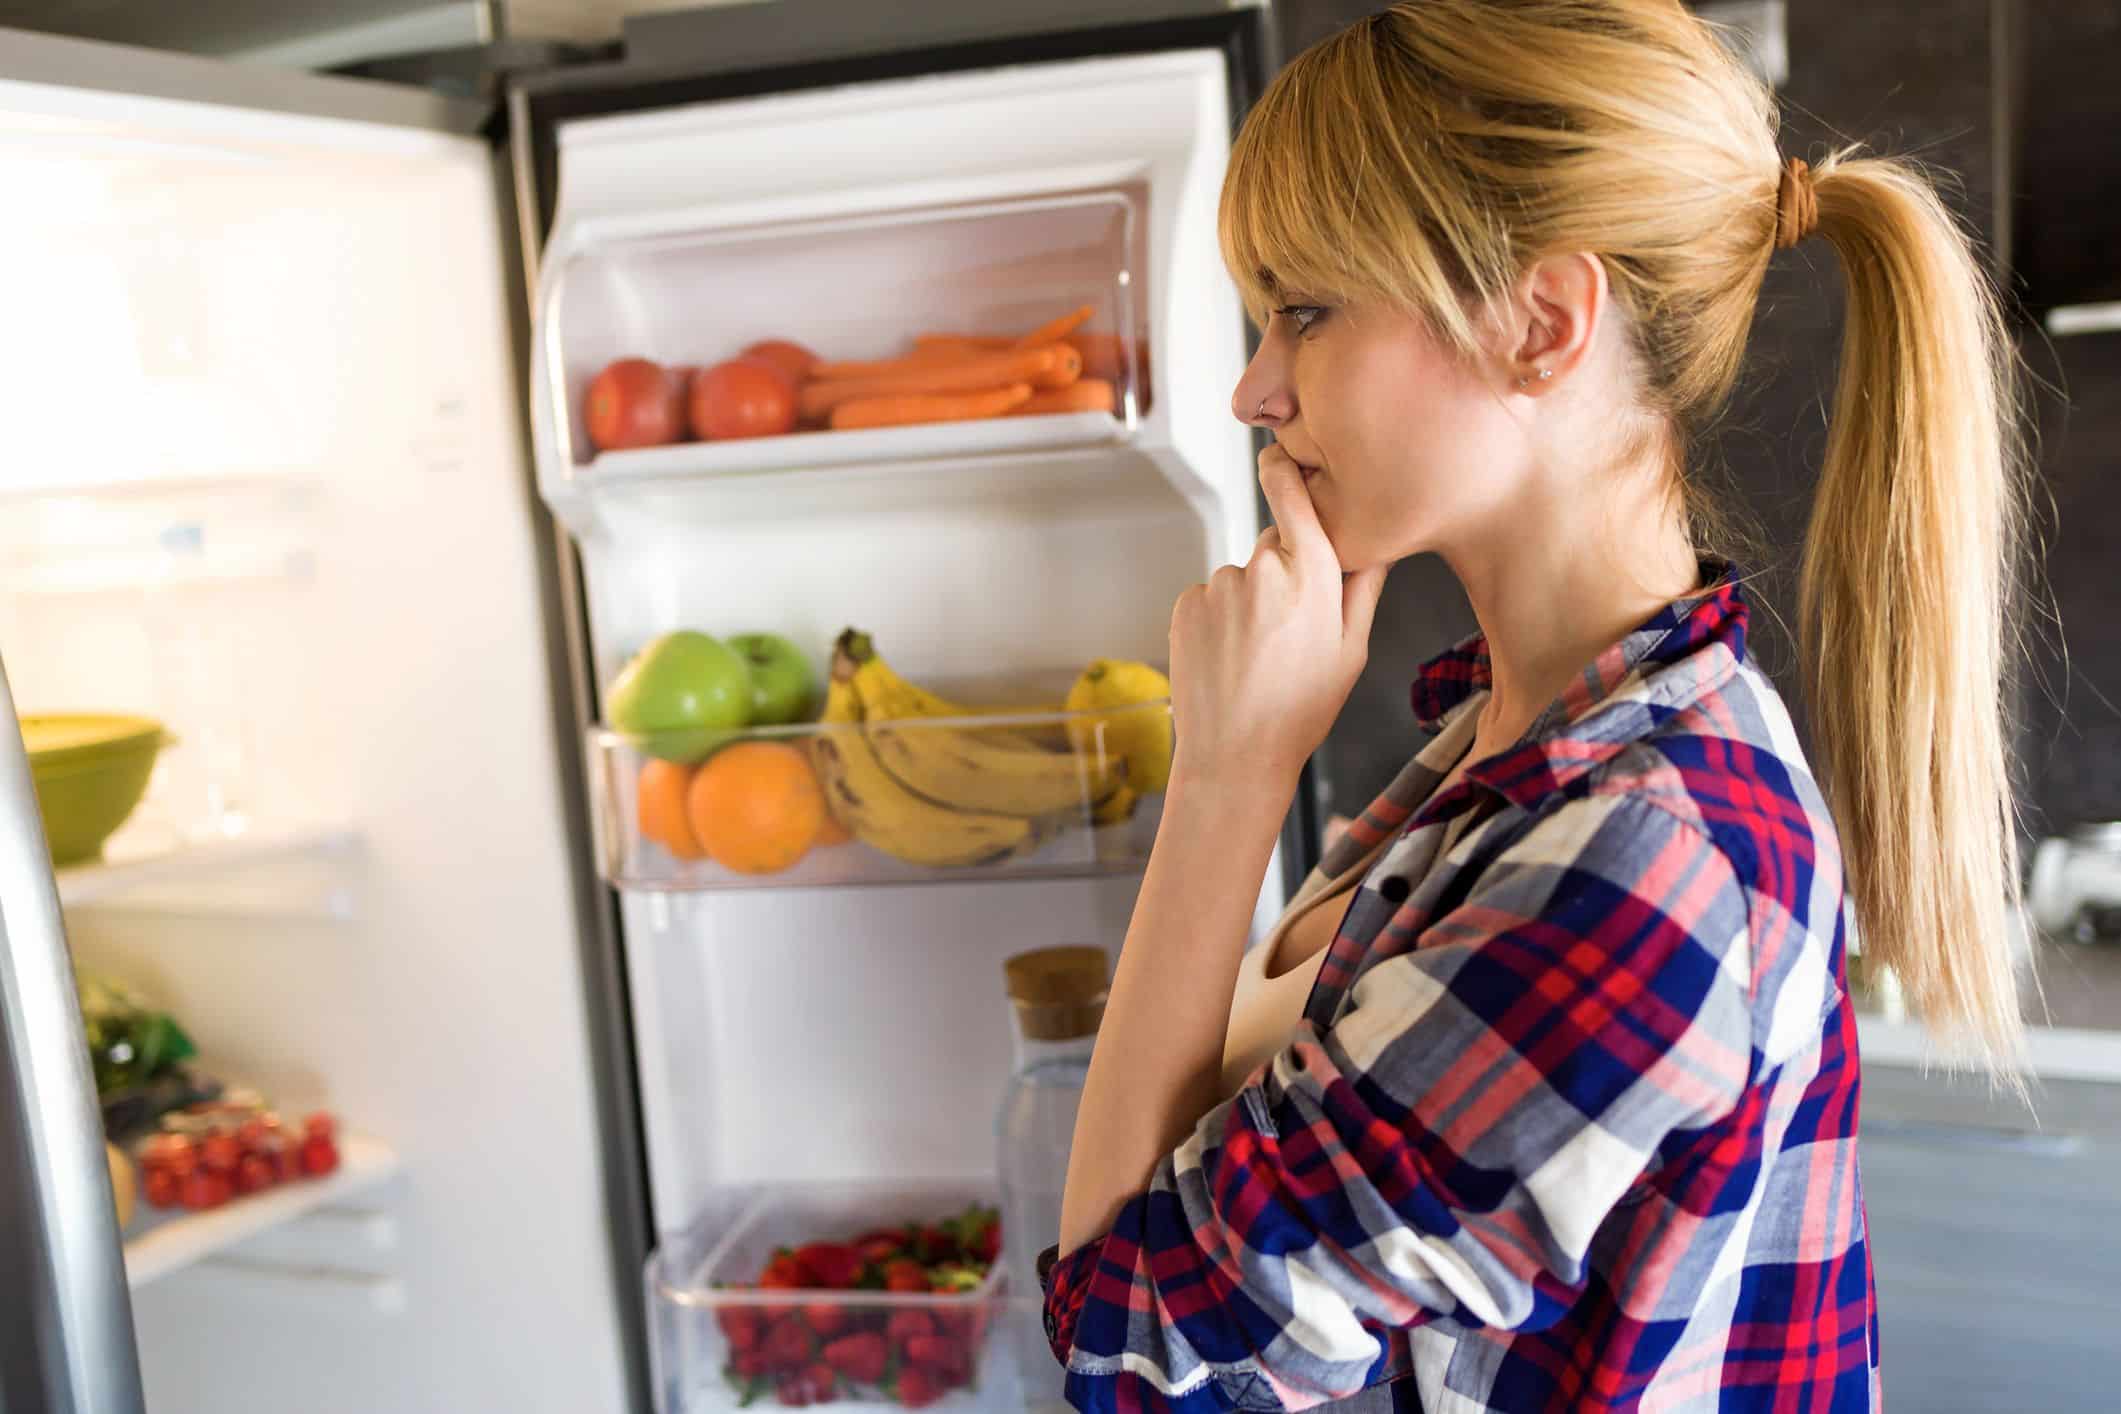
(2066, 243)
(1914, 78)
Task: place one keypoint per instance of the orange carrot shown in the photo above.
(1058, 329)
(1067, 367)
(1103, 354)
(870, 368)
(961, 342)
(898, 409)
(1083, 395)
(1103, 357)
(1050, 367)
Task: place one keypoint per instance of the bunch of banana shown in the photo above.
(885, 694)
(964, 794)
(882, 812)
(969, 768)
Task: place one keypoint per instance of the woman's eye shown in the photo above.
(1304, 316)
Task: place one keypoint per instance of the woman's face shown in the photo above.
(1405, 448)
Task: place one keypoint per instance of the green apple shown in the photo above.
(681, 696)
(782, 685)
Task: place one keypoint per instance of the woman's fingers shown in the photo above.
(1282, 480)
(1358, 604)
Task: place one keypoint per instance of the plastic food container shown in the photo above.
(855, 290)
(718, 1343)
(90, 772)
(1004, 793)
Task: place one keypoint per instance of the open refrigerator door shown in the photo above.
(267, 494)
(820, 1030)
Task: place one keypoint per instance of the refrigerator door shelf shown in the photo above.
(856, 289)
(873, 447)
(999, 200)
(967, 799)
(696, 1301)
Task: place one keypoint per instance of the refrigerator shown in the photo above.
(302, 469)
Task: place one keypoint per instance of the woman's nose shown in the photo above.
(1257, 406)
(1262, 397)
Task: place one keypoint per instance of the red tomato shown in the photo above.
(790, 358)
(319, 1123)
(162, 1187)
(742, 399)
(206, 1189)
(173, 1152)
(254, 1173)
(251, 1135)
(634, 403)
(221, 1153)
(318, 1156)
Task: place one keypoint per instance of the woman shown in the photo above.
(1560, 1111)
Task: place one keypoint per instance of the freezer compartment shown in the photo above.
(724, 1337)
(955, 330)
(1007, 791)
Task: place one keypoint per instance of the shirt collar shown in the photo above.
(1704, 632)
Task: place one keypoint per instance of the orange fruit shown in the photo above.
(833, 833)
(755, 807)
(661, 810)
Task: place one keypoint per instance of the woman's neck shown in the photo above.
(1548, 603)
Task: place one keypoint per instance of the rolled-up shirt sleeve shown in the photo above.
(1449, 1147)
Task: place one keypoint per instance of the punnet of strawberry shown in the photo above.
(859, 1336)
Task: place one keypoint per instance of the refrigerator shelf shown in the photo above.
(165, 1241)
(699, 1300)
(295, 871)
(999, 795)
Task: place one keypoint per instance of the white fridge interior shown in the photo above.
(845, 1022)
(266, 484)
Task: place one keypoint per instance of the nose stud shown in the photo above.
(1260, 411)
(1544, 374)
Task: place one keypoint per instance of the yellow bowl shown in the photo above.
(90, 770)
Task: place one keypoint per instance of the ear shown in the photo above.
(1553, 319)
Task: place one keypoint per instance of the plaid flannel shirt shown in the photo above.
(1570, 1122)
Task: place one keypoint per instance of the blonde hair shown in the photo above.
(1427, 156)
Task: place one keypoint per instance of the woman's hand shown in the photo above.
(1264, 656)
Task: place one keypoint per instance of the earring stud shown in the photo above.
(1544, 374)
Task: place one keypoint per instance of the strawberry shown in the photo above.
(820, 1384)
(917, 1388)
(879, 1248)
(833, 1265)
(742, 1324)
(783, 1272)
(934, 1351)
(906, 1325)
(788, 1346)
(859, 1357)
(826, 1318)
(983, 1238)
(934, 1244)
(748, 1363)
(905, 1274)
(793, 1390)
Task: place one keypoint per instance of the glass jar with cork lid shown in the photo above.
(1057, 998)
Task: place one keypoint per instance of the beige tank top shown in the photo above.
(1265, 1010)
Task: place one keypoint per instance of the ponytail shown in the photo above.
(1908, 604)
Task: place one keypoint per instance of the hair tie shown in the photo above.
(1796, 204)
